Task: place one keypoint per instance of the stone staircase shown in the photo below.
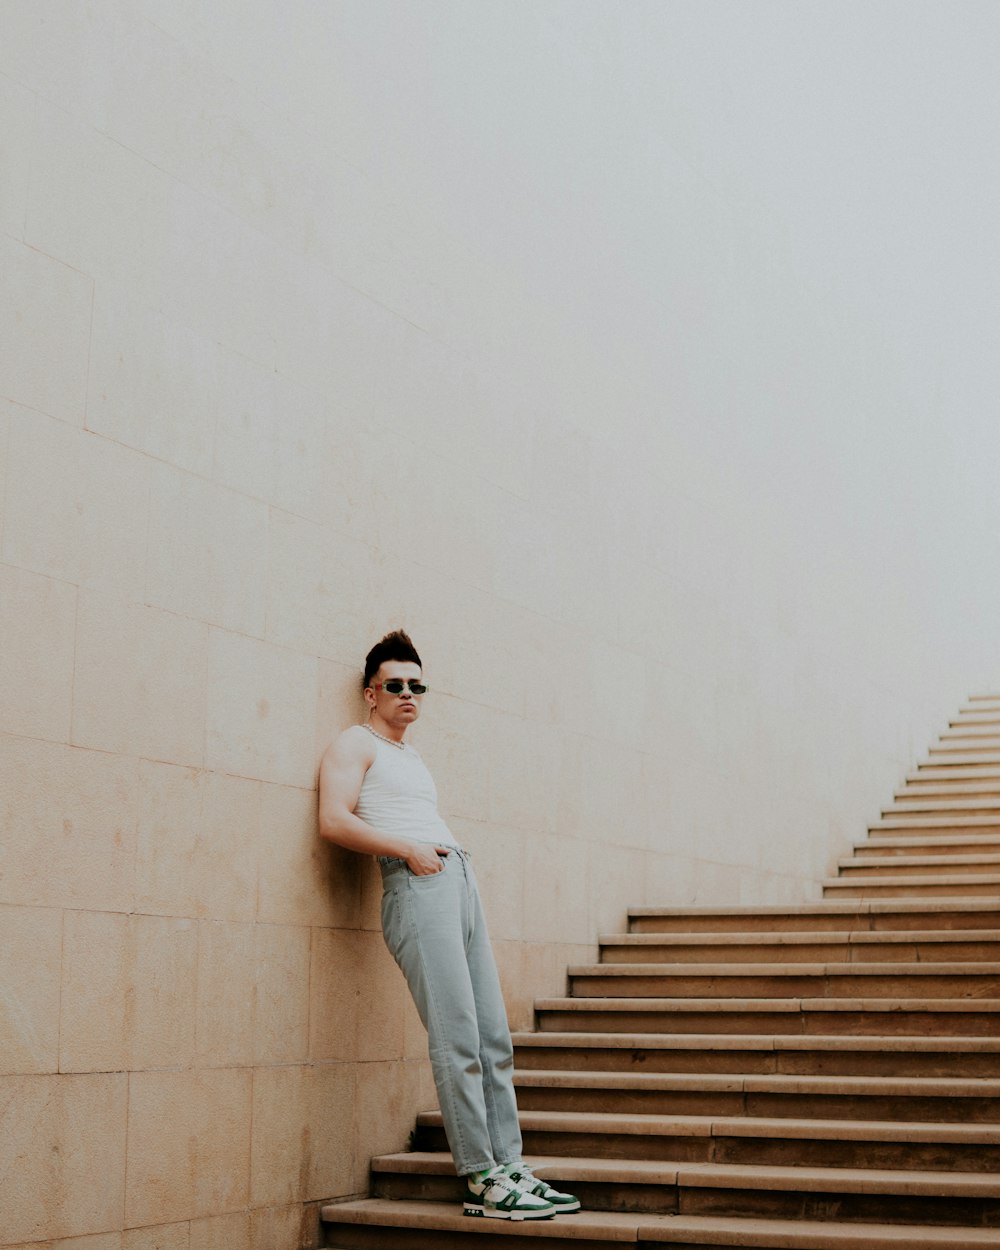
(823, 1077)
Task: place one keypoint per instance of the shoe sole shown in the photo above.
(517, 1216)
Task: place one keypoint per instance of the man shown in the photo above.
(377, 797)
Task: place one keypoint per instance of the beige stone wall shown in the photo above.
(320, 319)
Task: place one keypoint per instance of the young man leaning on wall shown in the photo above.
(377, 797)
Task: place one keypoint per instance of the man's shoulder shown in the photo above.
(353, 743)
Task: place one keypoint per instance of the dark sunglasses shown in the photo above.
(397, 687)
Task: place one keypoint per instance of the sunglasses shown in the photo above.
(397, 687)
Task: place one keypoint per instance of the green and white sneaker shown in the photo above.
(529, 1183)
(499, 1197)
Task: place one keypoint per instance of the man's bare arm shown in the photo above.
(341, 775)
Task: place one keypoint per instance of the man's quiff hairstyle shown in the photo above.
(394, 646)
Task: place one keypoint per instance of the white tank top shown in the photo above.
(398, 795)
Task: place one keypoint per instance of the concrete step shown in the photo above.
(914, 1017)
(754, 1140)
(947, 1057)
(839, 1194)
(963, 753)
(707, 1232)
(919, 788)
(926, 1099)
(928, 946)
(632, 1185)
(382, 1224)
(917, 827)
(958, 766)
(385, 1224)
(832, 981)
(977, 863)
(929, 844)
(669, 1187)
(950, 886)
(929, 822)
(951, 774)
(898, 915)
(977, 732)
(946, 805)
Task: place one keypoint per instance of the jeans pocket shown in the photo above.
(422, 879)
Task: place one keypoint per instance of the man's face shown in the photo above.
(398, 710)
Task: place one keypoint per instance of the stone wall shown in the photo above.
(485, 320)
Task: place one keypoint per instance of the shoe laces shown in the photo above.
(523, 1178)
(505, 1182)
(520, 1186)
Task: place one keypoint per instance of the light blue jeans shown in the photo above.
(435, 928)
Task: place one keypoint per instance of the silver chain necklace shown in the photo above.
(400, 746)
